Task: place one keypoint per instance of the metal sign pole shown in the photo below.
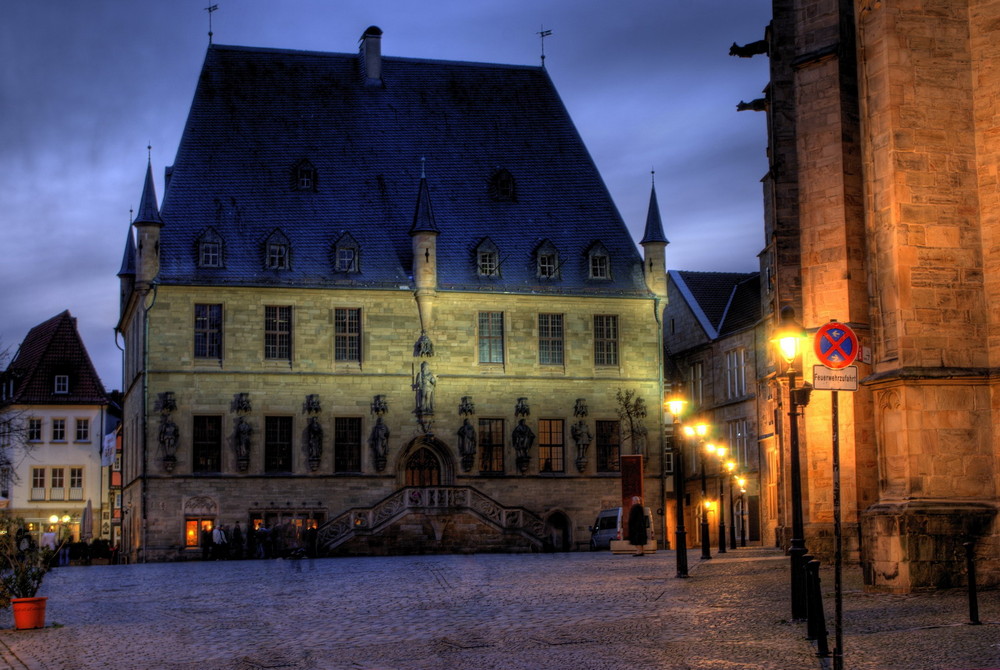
(838, 651)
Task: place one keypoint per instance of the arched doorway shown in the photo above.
(422, 468)
(558, 534)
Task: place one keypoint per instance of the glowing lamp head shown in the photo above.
(789, 335)
(54, 518)
(730, 466)
(675, 406)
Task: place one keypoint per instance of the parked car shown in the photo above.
(610, 526)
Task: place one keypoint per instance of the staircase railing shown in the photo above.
(371, 520)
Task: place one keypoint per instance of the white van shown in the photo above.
(608, 531)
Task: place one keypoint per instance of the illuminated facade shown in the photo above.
(386, 306)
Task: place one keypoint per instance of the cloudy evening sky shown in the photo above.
(86, 85)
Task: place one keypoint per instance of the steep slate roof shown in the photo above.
(258, 113)
(55, 348)
(723, 302)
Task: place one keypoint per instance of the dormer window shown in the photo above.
(547, 259)
(599, 262)
(304, 177)
(346, 254)
(210, 249)
(61, 384)
(501, 186)
(277, 252)
(487, 259)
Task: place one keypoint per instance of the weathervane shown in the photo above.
(210, 9)
(543, 33)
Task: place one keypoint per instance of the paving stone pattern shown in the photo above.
(579, 610)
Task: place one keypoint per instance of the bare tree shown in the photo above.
(14, 444)
(632, 412)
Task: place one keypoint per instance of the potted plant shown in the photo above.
(23, 566)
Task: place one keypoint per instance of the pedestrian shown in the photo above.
(637, 535)
(218, 543)
(237, 542)
(206, 544)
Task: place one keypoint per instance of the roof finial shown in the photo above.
(131, 215)
(543, 33)
(652, 174)
(423, 172)
(210, 9)
(149, 152)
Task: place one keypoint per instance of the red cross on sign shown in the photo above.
(836, 345)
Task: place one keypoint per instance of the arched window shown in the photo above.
(598, 262)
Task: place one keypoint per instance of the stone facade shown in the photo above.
(881, 211)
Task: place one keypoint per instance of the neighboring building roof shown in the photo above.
(54, 348)
(723, 302)
(258, 113)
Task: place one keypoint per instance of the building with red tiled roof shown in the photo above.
(56, 409)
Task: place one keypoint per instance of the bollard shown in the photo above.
(816, 622)
(970, 563)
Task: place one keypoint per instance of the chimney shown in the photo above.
(371, 56)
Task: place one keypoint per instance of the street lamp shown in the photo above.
(701, 430)
(730, 467)
(720, 451)
(676, 405)
(788, 338)
(743, 510)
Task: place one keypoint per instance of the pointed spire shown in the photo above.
(423, 217)
(148, 211)
(128, 258)
(654, 226)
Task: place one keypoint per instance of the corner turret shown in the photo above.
(654, 245)
(147, 225)
(424, 233)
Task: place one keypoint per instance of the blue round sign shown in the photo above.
(836, 345)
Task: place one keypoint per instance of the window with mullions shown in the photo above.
(736, 379)
(277, 444)
(487, 259)
(491, 337)
(550, 339)
(210, 249)
(605, 339)
(346, 444)
(347, 334)
(208, 331)
(58, 430)
(608, 446)
(196, 528)
(38, 483)
(491, 445)
(278, 333)
(550, 445)
(76, 483)
(82, 430)
(34, 430)
(206, 444)
(61, 384)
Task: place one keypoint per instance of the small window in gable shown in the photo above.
(304, 176)
(487, 259)
(547, 259)
(210, 249)
(501, 186)
(277, 252)
(598, 262)
(61, 384)
(346, 254)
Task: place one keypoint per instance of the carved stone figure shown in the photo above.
(467, 444)
(168, 442)
(423, 346)
(424, 384)
(582, 437)
(314, 442)
(523, 438)
(522, 408)
(241, 403)
(379, 443)
(244, 433)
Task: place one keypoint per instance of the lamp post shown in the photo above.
(700, 430)
(788, 338)
(720, 451)
(730, 466)
(676, 406)
(743, 510)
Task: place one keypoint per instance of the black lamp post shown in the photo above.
(743, 511)
(730, 466)
(701, 430)
(720, 451)
(676, 406)
(788, 338)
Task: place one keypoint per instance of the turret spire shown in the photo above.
(654, 225)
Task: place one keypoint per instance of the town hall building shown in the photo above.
(386, 305)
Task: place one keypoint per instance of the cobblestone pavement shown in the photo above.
(577, 610)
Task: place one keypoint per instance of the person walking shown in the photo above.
(637, 535)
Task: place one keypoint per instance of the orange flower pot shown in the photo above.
(28, 612)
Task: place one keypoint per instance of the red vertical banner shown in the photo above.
(631, 484)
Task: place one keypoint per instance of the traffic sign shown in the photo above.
(845, 379)
(836, 345)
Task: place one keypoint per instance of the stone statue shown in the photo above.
(244, 431)
(314, 440)
(523, 438)
(423, 346)
(379, 443)
(467, 439)
(423, 384)
(582, 437)
(168, 436)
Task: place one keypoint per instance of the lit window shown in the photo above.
(278, 333)
(62, 384)
(550, 445)
(196, 531)
(605, 339)
(550, 339)
(347, 334)
(491, 337)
